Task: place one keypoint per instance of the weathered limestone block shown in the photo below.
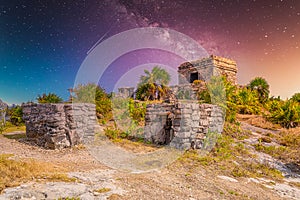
(190, 122)
(59, 125)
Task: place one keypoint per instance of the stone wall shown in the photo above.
(183, 124)
(60, 125)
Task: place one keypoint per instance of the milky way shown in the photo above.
(43, 43)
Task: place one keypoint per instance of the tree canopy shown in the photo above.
(262, 87)
(153, 85)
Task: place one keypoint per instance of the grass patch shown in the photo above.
(231, 158)
(15, 136)
(290, 137)
(128, 142)
(274, 151)
(135, 146)
(14, 172)
(235, 131)
(9, 129)
(289, 151)
(102, 190)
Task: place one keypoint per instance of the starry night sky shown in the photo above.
(43, 43)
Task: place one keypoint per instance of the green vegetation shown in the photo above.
(289, 151)
(285, 113)
(137, 111)
(262, 87)
(16, 136)
(253, 99)
(157, 75)
(92, 93)
(153, 85)
(296, 97)
(49, 98)
(231, 157)
(15, 114)
(234, 99)
(9, 127)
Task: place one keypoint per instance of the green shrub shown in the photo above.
(115, 133)
(261, 86)
(15, 114)
(247, 102)
(296, 97)
(49, 98)
(287, 114)
(137, 110)
(92, 93)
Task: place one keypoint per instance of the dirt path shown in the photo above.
(176, 181)
(71, 159)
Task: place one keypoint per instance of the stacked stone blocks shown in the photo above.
(60, 125)
(191, 122)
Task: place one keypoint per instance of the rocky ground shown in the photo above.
(175, 181)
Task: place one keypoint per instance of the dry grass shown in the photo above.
(135, 146)
(225, 162)
(295, 184)
(15, 136)
(230, 157)
(290, 137)
(289, 149)
(14, 172)
(14, 128)
(102, 190)
(258, 121)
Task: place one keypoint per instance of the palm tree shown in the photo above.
(262, 87)
(153, 85)
(157, 75)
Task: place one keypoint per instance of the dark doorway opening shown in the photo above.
(194, 76)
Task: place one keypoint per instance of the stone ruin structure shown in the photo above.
(207, 67)
(56, 126)
(184, 123)
(179, 123)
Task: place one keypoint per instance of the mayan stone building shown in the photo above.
(205, 68)
(185, 123)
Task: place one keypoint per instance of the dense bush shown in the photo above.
(15, 114)
(247, 101)
(235, 100)
(262, 87)
(285, 113)
(153, 85)
(129, 115)
(49, 98)
(92, 93)
(137, 110)
(296, 97)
